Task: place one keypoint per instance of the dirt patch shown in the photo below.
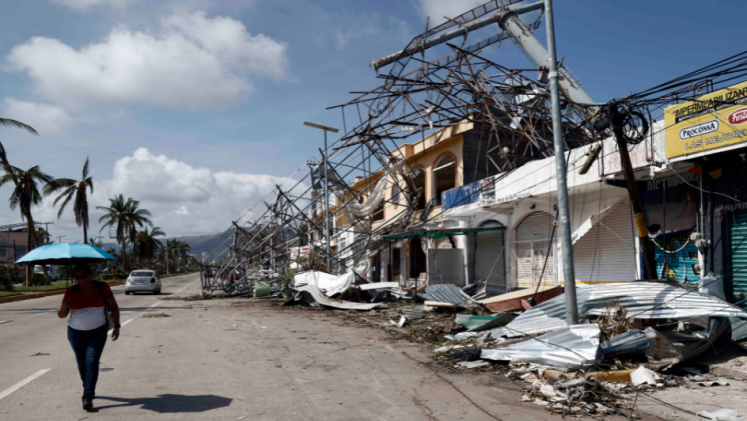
(154, 315)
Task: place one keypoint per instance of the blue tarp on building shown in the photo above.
(461, 196)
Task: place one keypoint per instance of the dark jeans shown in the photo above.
(88, 346)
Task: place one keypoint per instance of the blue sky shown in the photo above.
(195, 106)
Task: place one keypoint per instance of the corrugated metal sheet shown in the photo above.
(642, 300)
(573, 347)
(629, 342)
(600, 255)
(738, 234)
(447, 293)
(490, 262)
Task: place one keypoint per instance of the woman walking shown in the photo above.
(87, 328)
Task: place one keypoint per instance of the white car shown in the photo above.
(143, 280)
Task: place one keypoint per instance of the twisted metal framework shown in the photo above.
(510, 110)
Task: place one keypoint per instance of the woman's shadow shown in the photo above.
(169, 403)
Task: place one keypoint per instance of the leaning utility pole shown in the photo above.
(647, 248)
(566, 246)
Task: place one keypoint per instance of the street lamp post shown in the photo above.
(326, 189)
(566, 246)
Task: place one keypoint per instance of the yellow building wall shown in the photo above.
(423, 153)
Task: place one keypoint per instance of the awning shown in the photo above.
(437, 234)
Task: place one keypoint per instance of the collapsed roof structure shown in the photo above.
(509, 107)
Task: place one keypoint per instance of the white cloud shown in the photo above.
(437, 9)
(86, 4)
(45, 118)
(193, 62)
(183, 200)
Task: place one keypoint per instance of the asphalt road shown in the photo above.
(34, 349)
(234, 359)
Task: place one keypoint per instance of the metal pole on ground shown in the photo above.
(564, 222)
(326, 190)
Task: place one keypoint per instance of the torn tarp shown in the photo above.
(329, 284)
(312, 295)
(572, 347)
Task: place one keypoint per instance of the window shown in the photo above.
(378, 214)
(395, 194)
(444, 176)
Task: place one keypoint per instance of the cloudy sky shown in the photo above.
(194, 107)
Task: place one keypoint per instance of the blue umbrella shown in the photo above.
(65, 254)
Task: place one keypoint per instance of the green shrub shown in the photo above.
(39, 279)
(6, 282)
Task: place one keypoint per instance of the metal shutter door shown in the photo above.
(446, 266)
(489, 255)
(600, 255)
(738, 234)
(532, 239)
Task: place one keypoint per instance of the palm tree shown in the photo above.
(69, 188)
(7, 122)
(171, 246)
(25, 195)
(147, 244)
(125, 216)
(183, 249)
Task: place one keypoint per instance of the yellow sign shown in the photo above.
(710, 122)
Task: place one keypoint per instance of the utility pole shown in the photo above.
(59, 238)
(647, 248)
(566, 246)
(326, 190)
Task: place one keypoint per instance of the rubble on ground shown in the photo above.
(632, 338)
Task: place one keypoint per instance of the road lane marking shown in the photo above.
(123, 324)
(5, 393)
(185, 288)
(5, 321)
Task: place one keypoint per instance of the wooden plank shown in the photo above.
(511, 301)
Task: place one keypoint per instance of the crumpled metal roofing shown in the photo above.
(642, 300)
(573, 347)
(447, 293)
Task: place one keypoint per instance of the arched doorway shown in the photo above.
(533, 256)
(490, 262)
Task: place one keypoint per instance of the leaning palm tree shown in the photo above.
(25, 195)
(124, 216)
(69, 188)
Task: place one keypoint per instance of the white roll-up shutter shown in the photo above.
(600, 255)
(489, 259)
(532, 241)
